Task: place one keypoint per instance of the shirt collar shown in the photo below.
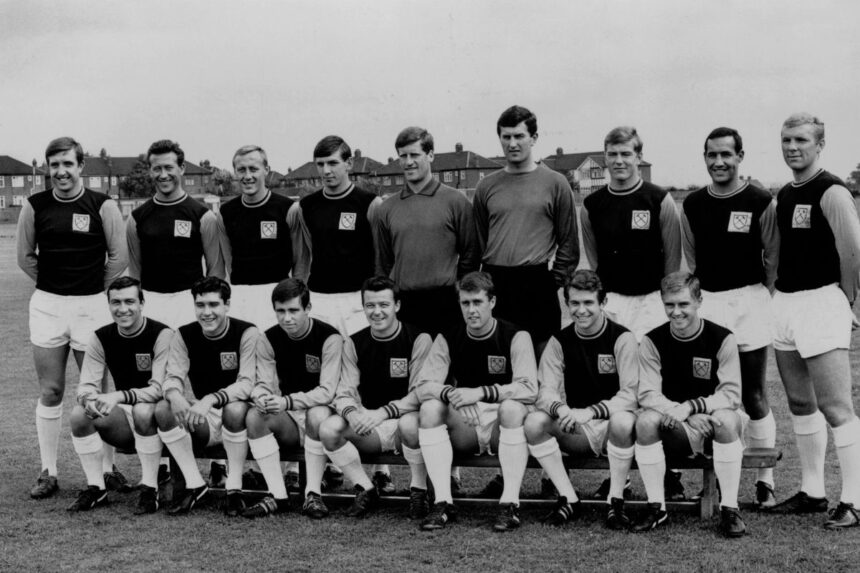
(428, 190)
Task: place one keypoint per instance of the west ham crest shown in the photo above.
(641, 220)
(802, 217)
(229, 361)
(702, 368)
(606, 364)
(144, 362)
(398, 368)
(182, 229)
(312, 363)
(268, 229)
(347, 222)
(739, 222)
(80, 223)
(496, 364)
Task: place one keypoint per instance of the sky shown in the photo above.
(215, 75)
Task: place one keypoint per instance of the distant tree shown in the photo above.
(853, 181)
(223, 182)
(137, 183)
(103, 154)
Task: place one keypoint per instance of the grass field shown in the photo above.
(42, 536)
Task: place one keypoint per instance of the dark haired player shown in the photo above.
(134, 350)
(731, 243)
(70, 243)
(210, 373)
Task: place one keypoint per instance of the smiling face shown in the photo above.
(65, 172)
(682, 308)
(622, 160)
(801, 148)
(585, 310)
(517, 143)
(166, 173)
(251, 171)
(126, 309)
(381, 310)
(477, 309)
(722, 161)
(334, 171)
(416, 163)
(211, 312)
(293, 317)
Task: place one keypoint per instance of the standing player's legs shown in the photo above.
(762, 425)
(543, 435)
(181, 445)
(51, 374)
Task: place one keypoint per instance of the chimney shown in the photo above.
(289, 169)
(559, 151)
(391, 160)
(358, 154)
(458, 148)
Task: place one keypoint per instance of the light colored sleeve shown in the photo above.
(211, 235)
(650, 379)
(160, 352)
(434, 372)
(670, 229)
(589, 241)
(117, 247)
(240, 390)
(384, 242)
(566, 233)
(301, 238)
(728, 391)
(267, 372)
(411, 403)
(332, 358)
(841, 214)
(28, 260)
(551, 394)
(481, 217)
(178, 364)
(133, 244)
(769, 243)
(92, 371)
(347, 398)
(523, 387)
(627, 363)
(689, 242)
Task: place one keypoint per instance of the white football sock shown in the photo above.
(267, 452)
(810, 433)
(315, 463)
(513, 457)
(727, 467)
(762, 434)
(846, 438)
(652, 468)
(108, 457)
(178, 441)
(348, 460)
(89, 450)
(236, 447)
(548, 455)
(620, 460)
(416, 466)
(438, 455)
(49, 422)
(149, 452)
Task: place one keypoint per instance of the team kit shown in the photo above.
(344, 325)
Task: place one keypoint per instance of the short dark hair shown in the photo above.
(380, 283)
(125, 282)
(412, 134)
(288, 289)
(163, 146)
(586, 280)
(621, 135)
(515, 115)
(331, 144)
(63, 144)
(477, 281)
(726, 132)
(206, 285)
(678, 281)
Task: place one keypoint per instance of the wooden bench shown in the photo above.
(754, 458)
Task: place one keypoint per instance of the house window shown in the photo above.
(2, 181)
(189, 181)
(38, 179)
(18, 181)
(480, 174)
(448, 176)
(18, 200)
(463, 175)
(2, 201)
(399, 180)
(435, 177)
(386, 181)
(596, 173)
(29, 178)
(113, 181)
(95, 182)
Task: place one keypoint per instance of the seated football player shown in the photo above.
(134, 350)
(210, 373)
(690, 389)
(588, 378)
(379, 369)
(492, 366)
(298, 370)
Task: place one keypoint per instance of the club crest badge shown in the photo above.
(182, 229)
(641, 220)
(268, 229)
(312, 363)
(80, 223)
(702, 368)
(347, 222)
(496, 364)
(229, 361)
(398, 368)
(802, 217)
(740, 222)
(606, 364)
(144, 362)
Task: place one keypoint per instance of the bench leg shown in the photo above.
(709, 494)
(303, 478)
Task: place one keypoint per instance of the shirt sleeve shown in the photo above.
(241, 389)
(434, 372)
(688, 242)
(332, 358)
(160, 352)
(523, 387)
(384, 243)
(769, 243)
(92, 371)
(28, 260)
(211, 233)
(133, 245)
(347, 398)
(728, 391)
(467, 240)
(589, 241)
(178, 364)
(117, 247)
(650, 379)
(301, 238)
(566, 233)
(627, 363)
(841, 214)
(670, 229)
(267, 372)
(551, 395)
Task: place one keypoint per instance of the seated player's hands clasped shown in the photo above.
(460, 397)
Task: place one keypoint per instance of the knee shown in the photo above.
(50, 392)
(255, 422)
(80, 423)
(317, 415)
(407, 426)
(164, 415)
(233, 416)
(512, 414)
(432, 413)
(536, 426)
(836, 413)
(144, 419)
(622, 427)
(648, 426)
(727, 426)
(331, 431)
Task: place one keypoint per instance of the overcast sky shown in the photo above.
(215, 75)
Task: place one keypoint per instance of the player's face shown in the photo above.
(517, 143)
(292, 316)
(800, 149)
(477, 309)
(381, 311)
(126, 308)
(334, 171)
(722, 160)
(683, 311)
(585, 310)
(415, 162)
(251, 173)
(65, 171)
(211, 312)
(165, 172)
(623, 163)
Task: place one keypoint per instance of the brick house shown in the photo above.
(18, 180)
(459, 169)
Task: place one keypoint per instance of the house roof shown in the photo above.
(361, 165)
(306, 171)
(564, 162)
(124, 165)
(11, 166)
(448, 161)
